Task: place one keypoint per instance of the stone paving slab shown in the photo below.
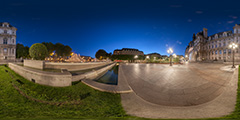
(208, 91)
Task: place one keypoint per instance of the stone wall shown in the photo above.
(42, 77)
(34, 64)
(92, 74)
(74, 66)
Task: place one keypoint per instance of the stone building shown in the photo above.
(7, 42)
(127, 51)
(154, 55)
(214, 47)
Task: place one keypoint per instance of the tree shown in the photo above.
(59, 49)
(101, 54)
(22, 51)
(38, 51)
(50, 47)
(67, 51)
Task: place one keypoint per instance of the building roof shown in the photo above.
(1, 23)
(221, 33)
(132, 49)
(154, 54)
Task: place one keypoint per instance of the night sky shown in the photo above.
(89, 25)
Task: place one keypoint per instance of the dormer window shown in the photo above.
(5, 25)
(5, 31)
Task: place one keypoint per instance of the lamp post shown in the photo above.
(170, 51)
(233, 46)
(136, 56)
(186, 58)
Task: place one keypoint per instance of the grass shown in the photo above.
(94, 104)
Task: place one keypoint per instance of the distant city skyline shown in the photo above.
(86, 26)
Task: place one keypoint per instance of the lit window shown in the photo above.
(5, 50)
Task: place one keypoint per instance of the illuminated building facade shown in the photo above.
(214, 47)
(7, 41)
(127, 51)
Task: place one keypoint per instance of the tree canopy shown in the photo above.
(38, 51)
(50, 47)
(102, 54)
(60, 49)
(22, 51)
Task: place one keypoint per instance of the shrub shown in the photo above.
(38, 51)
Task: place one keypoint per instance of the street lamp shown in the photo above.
(170, 51)
(186, 58)
(174, 55)
(136, 56)
(233, 46)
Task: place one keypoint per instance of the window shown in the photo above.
(220, 44)
(229, 51)
(224, 44)
(215, 46)
(5, 41)
(212, 52)
(12, 40)
(5, 50)
(13, 51)
(216, 52)
(220, 51)
(5, 31)
(224, 51)
(212, 46)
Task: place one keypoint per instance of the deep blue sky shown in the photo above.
(89, 25)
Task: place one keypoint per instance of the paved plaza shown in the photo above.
(194, 90)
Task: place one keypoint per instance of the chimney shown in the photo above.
(205, 35)
(194, 36)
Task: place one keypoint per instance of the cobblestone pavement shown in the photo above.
(194, 90)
